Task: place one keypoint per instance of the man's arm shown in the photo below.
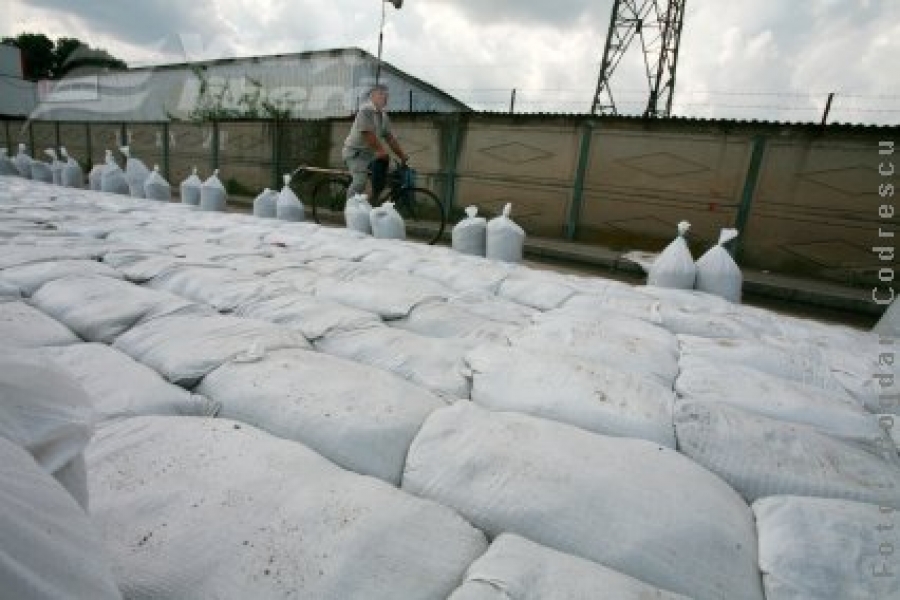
(374, 144)
(395, 146)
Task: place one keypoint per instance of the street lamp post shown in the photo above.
(397, 4)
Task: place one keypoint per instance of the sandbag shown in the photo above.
(136, 173)
(265, 205)
(212, 508)
(15, 256)
(706, 324)
(185, 348)
(50, 547)
(760, 456)
(573, 391)
(357, 214)
(72, 176)
(288, 207)
(612, 340)
(23, 162)
(56, 166)
(516, 568)
(190, 189)
(212, 194)
(386, 222)
(41, 171)
(7, 166)
(361, 418)
(433, 363)
(46, 412)
(119, 387)
(113, 179)
(28, 278)
(156, 187)
(505, 238)
(223, 289)
(827, 549)
(465, 275)
(313, 317)
(703, 381)
(469, 236)
(535, 289)
(23, 326)
(95, 177)
(388, 294)
(447, 320)
(674, 267)
(717, 273)
(614, 298)
(597, 497)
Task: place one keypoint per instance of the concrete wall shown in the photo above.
(805, 198)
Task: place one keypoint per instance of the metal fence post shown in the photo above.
(56, 133)
(214, 143)
(276, 151)
(451, 157)
(574, 214)
(757, 152)
(165, 149)
(89, 161)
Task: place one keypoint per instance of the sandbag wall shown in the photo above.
(382, 419)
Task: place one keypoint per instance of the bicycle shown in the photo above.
(420, 208)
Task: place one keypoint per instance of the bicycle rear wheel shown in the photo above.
(328, 200)
(421, 209)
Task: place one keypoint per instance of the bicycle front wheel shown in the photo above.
(421, 209)
(328, 200)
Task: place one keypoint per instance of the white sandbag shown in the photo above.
(827, 549)
(56, 166)
(433, 363)
(359, 417)
(190, 189)
(505, 239)
(674, 267)
(593, 496)
(72, 174)
(211, 508)
(156, 187)
(136, 173)
(489, 306)
(99, 309)
(265, 205)
(311, 316)
(23, 162)
(447, 320)
(7, 166)
(120, 387)
(717, 273)
(465, 275)
(41, 171)
(223, 289)
(701, 380)
(212, 194)
(615, 298)
(889, 323)
(760, 456)
(535, 289)
(386, 222)
(573, 391)
(9, 292)
(95, 177)
(46, 412)
(28, 278)
(50, 547)
(388, 294)
(185, 348)
(469, 236)
(706, 324)
(113, 179)
(288, 207)
(357, 215)
(23, 326)
(612, 340)
(514, 567)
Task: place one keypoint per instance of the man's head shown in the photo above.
(379, 95)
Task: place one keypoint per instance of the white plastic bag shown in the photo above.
(41, 171)
(95, 177)
(717, 273)
(265, 205)
(289, 207)
(23, 162)
(387, 224)
(505, 239)
(136, 173)
(357, 214)
(190, 189)
(113, 179)
(469, 236)
(674, 267)
(156, 187)
(212, 194)
(56, 166)
(72, 175)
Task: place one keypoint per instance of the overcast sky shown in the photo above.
(763, 59)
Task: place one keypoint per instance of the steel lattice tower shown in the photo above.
(658, 25)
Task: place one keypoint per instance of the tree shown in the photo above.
(45, 60)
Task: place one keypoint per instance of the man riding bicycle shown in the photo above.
(364, 147)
